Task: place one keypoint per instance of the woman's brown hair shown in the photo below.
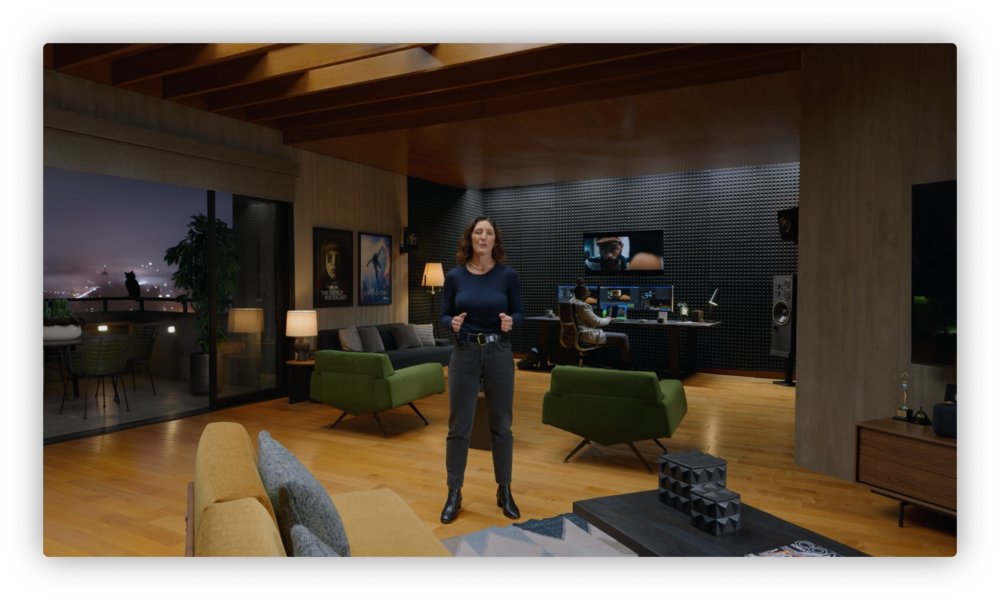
(464, 253)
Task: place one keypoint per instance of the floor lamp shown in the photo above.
(433, 277)
(250, 322)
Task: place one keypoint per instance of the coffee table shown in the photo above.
(650, 528)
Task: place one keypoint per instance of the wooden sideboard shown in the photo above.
(908, 463)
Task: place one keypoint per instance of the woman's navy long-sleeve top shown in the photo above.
(482, 298)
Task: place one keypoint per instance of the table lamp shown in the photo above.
(433, 277)
(713, 301)
(300, 325)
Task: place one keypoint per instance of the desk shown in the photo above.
(648, 527)
(672, 328)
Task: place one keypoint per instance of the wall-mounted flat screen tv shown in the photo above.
(934, 283)
(623, 253)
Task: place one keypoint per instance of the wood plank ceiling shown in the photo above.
(481, 116)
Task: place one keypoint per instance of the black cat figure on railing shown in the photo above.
(132, 285)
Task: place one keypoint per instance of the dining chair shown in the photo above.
(143, 340)
(100, 356)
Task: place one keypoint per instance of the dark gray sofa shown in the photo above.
(440, 352)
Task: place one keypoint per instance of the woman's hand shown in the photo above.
(506, 323)
(456, 322)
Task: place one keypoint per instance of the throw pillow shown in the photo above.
(425, 333)
(370, 339)
(305, 543)
(406, 337)
(350, 339)
(297, 497)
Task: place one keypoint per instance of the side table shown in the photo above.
(299, 374)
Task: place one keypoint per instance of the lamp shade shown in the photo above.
(433, 275)
(301, 323)
(246, 320)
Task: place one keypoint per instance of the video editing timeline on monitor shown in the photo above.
(659, 297)
(618, 295)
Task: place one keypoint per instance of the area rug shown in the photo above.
(563, 535)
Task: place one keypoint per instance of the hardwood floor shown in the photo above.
(124, 494)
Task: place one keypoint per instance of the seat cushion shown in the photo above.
(350, 339)
(406, 337)
(379, 523)
(298, 498)
(306, 544)
(238, 528)
(401, 359)
(371, 340)
(225, 469)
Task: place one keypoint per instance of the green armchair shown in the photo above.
(613, 407)
(362, 383)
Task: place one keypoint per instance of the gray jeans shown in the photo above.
(621, 341)
(494, 363)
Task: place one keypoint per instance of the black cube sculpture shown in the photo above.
(679, 472)
(714, 509)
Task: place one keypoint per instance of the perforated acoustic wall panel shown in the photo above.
(720, 231)
(438, 213)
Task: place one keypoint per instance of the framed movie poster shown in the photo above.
(375, 268)
(333, 268)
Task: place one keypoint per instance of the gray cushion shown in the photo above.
(305, 543)
(297, 498)
(425, 333)
(370, 339)
(350, 339)
(406, 337)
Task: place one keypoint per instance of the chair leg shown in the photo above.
(342, 415)
(575, 450)
(132, 362)
(660, 445)
(379, 421)
(124, 391)
(411, 405)
(648, 468)
(150, 371)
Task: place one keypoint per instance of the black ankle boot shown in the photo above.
(452, 505)
(506, 502)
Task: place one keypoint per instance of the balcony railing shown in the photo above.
(142, 301)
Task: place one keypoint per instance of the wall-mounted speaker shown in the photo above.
(788, 224)
(410, 241)
(783, 316)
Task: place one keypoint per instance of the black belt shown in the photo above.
(484, 338)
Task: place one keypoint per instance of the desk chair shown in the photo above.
(569, 333)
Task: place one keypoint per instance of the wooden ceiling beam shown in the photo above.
(670, 77)
(286, 61)
(378, 68)
(69, 56)
(545, 58)
(180, 57)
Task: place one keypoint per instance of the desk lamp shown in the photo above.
(713, 301)
(300, 325)
(433, 277)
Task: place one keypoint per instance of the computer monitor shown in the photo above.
(566, 293)
(615, 311)
(618, 295)
(656, 297)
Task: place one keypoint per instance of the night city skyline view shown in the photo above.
(98, 227)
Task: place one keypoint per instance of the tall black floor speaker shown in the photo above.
(783, 317)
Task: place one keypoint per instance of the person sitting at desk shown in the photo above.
(590, 324)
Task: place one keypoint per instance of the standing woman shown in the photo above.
(482, 303)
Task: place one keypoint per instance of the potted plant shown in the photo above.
(60, 322)
(191, 258)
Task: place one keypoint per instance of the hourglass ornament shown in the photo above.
(904, 413)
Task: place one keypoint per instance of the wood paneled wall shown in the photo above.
(876, 119)
(342, 195)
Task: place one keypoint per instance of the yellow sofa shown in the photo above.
(229, 513)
